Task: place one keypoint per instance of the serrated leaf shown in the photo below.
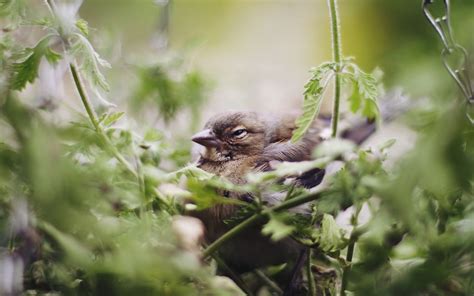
(205, 195)
(91, 60)
(276, 228)
(83, 26)
(313, 93)
(26, 70)
(311, 107)
(110, 119)
(330, 236)
(364, 92)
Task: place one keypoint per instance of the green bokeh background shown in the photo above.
(260, 51)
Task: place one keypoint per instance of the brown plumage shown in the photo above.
(235, 144)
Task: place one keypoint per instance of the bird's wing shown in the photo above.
(288, 151)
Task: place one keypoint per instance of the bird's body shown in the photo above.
(236, 144)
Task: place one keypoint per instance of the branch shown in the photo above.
(257, 217)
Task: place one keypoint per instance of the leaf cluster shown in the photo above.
(363, 98)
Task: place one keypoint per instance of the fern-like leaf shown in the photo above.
(313, 95)
(365, 91)
(26, 69)
(91, 61)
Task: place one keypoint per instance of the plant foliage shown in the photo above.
(92, 209)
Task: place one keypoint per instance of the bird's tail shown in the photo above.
(391, 107)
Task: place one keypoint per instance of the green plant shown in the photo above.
(87, 206)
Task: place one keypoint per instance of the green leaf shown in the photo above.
(111, 118)
(75, 250)
(91, 61)
(365, 91)
(153, 135)
(204, 195)
(386, 145)
(313, 93)
(191, 171)
(26, 69)
(83, 26)
(52, 56)
(13, 10)
(330, 236)
(276, 228)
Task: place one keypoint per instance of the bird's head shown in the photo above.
(232, 135)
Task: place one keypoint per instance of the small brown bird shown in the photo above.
(235, 144)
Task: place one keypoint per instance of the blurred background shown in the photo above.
(257, 53)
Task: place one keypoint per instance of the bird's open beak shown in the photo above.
(206, 138)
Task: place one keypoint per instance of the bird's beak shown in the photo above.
(206, 138)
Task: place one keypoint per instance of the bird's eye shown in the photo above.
(240, 133)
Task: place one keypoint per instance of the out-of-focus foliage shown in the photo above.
(171, 89)
(76, 220)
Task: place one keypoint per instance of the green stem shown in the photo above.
(309, 274)
(350, 252)
(271, 284)
(337, 53)
(93, 118)
(255, 218)
(231, 233)
(85, 100)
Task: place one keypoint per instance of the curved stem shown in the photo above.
(337, 53)
(231, 233)
(93, 118)
(350, 252)
(255, 218)
(271, 284)
(85, 100)
(309, 274)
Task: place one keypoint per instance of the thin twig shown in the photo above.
(258, 217)
(271, 284)
(309, 274)
(350, 252)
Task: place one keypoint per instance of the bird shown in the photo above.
(235, 144)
